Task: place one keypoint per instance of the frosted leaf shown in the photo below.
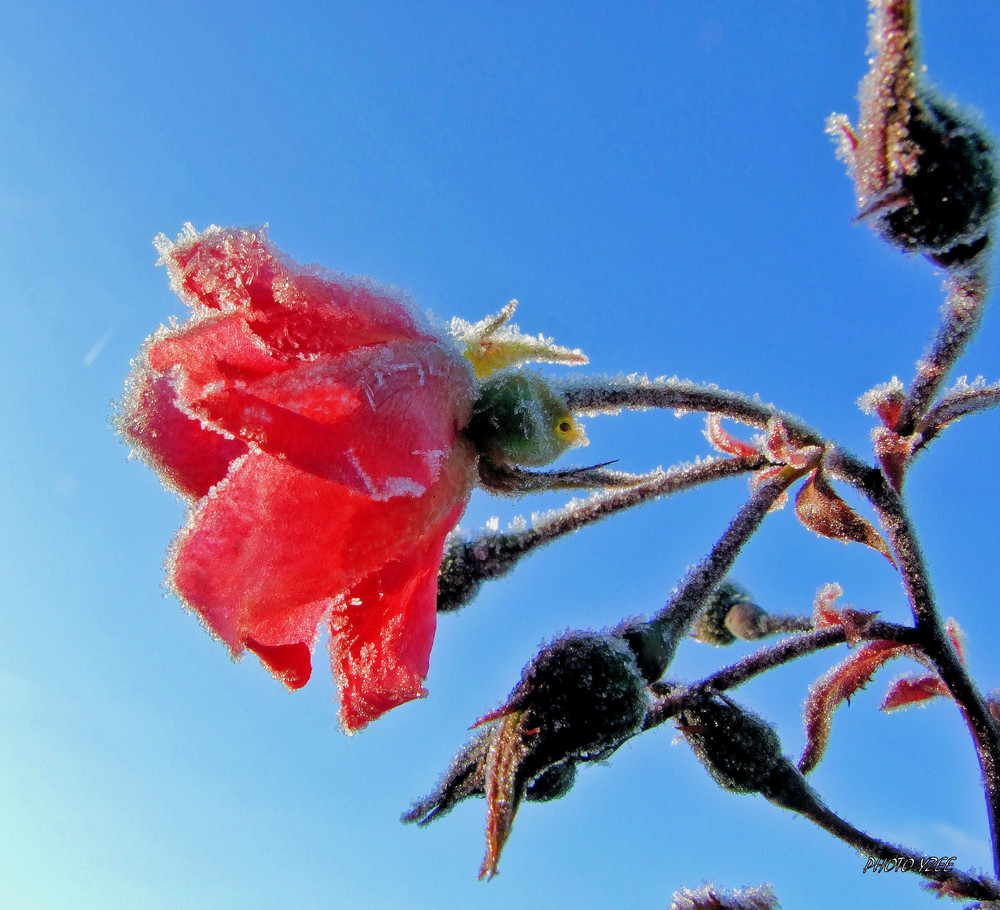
(494, 343)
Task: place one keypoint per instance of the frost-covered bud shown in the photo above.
(711, 626)
(578, 700)
(748, 622)
(742, 752)
(585, 695)
(924, 170)
(553, 783)
(519, 419)
(950, 192)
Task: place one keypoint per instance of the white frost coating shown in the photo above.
(518, 525)
(390, 488)
(759, 898)
(495, 343)
(962, 384)
(401, 486)
(369, 394)
(365, 479)
(870, 401)
(394, 296)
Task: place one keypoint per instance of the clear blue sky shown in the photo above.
(652, 182)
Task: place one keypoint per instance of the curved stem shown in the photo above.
(932, 637)
(962, 314)
(672, 700)
(768, 658)
(468, 563)
(957, 883)
(951, 407)
(656, 640)
(588, 395)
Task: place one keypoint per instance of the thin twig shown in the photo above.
(656, 640)
(770, 657)
(468, 563)
(951, 407)
(586, 395)
(967, 292)
(959, 883)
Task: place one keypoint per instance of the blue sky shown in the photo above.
(652, 182)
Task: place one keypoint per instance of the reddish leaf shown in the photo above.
(824, 611)
(912, 690)
(838, 685)
(885, 401)
(724, 442)
(820, 509)
(781, 449)
(956, 636)
(506, 752)
(892, 453)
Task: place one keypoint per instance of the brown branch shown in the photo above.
(952, 407)
(931, 634)
(468, 563)
(586, 395)
(963, 308)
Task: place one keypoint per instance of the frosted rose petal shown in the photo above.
(297, 310)
(380, 420)
(188, 457)
(381, 635)
(264, 556)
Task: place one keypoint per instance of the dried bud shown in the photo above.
(730, 614)
(578, 700)
(742, 752)
(519, 419)
(582, 697)
(748, 622)
(553, 783)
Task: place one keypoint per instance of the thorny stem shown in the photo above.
(953, 406)
(932, 637)
(468, 564)
(961, 316)
(585, 396)
(799, 645)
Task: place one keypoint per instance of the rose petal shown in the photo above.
(189, 458)
(381, 634)
(297, 310)
(263, 557)
(212, 350)
(380, 420)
